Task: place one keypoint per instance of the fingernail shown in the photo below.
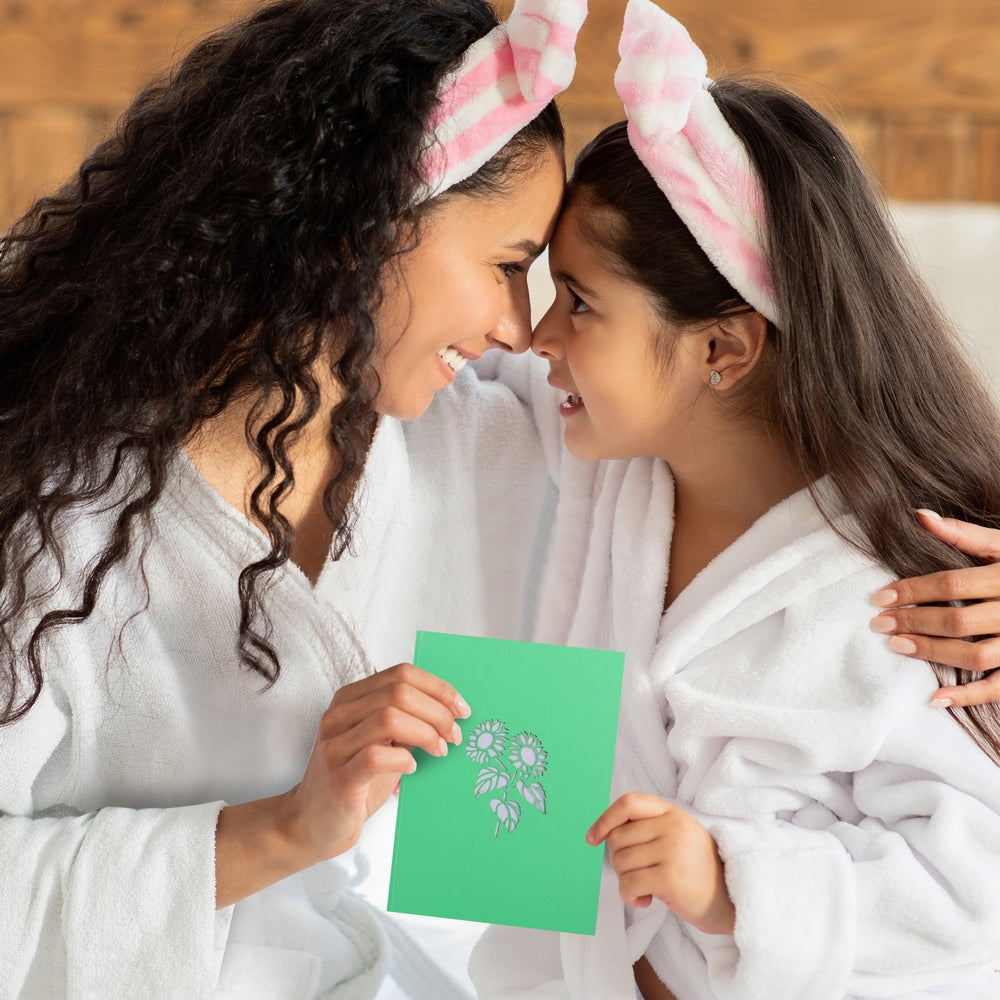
(940, 702)
(456, 734)
(929, 513)
(885, 598)
(442, 748)
(900, 645)
(463, 707)
(883, 624)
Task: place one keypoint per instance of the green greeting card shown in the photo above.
(494, 831)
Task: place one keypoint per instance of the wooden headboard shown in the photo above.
(916, 85)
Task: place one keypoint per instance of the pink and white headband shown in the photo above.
(505, 80)
(683, 140)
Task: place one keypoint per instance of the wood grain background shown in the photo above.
(915, 84)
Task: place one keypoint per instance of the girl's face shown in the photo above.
(620, 400)
(464, 288)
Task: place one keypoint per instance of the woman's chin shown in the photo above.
(403, 409)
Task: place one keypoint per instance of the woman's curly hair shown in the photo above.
(229, 236)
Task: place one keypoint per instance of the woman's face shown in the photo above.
(464, 288)
(619, 398)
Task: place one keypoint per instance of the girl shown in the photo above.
(766, 394)
(314, 221)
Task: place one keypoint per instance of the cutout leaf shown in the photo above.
(490, 779)
(508, 813)
(533, 794)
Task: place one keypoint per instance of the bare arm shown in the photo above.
(941, 633)
(360, 752)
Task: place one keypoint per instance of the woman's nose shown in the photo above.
(513, 330)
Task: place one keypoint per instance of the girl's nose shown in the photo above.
(544, 342)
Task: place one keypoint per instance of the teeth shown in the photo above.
(451, 357)
(572, 399)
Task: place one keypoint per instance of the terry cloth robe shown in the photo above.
(451, 539)
(860, 828)
(111, 785)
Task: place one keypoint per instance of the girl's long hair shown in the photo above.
(230, 236)
(865, 380)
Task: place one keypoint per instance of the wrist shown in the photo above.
(257, 844)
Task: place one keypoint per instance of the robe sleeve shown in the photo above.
(115, 902)
(859, 838)
(525, 375)
(903, 900)
(515, 963)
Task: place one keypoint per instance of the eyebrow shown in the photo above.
(568, 279)
(529, 247)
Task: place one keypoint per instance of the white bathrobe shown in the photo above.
(111, 785)
(860, 828)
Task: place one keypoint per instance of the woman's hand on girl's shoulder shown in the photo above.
(942, 634)
(661, 851)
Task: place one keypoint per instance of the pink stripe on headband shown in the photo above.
(698, 162)
(505, 80)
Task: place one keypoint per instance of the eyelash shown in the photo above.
(512, 270)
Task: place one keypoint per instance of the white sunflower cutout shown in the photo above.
(525, 763)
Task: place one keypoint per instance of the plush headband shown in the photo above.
(505, 80)
(681, 137)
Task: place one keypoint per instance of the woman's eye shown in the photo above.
(512, 270)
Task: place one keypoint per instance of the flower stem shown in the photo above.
(506, 789)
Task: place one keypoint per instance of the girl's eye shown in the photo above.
(577, 305)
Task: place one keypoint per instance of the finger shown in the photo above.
(972, 583)
(632, 806)
(402, 696)
(636, 857)
(372, 775)
(974, 657)
(947, 622)
(412, 676)
(640, 832)
(386, 726)
(636, 885)
(974, 693)
(974, 539)
(375, 759)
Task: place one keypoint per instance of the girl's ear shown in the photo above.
(733, 346)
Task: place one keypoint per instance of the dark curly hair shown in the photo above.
(228, 237)
(865, 380)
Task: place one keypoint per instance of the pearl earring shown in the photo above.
(715, 378)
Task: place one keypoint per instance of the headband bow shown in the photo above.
(505, 80)
(697, 161)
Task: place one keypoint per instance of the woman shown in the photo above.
(197, 338)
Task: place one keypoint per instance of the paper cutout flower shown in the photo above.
(487, 741)
(527, 755)
(526, 760)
